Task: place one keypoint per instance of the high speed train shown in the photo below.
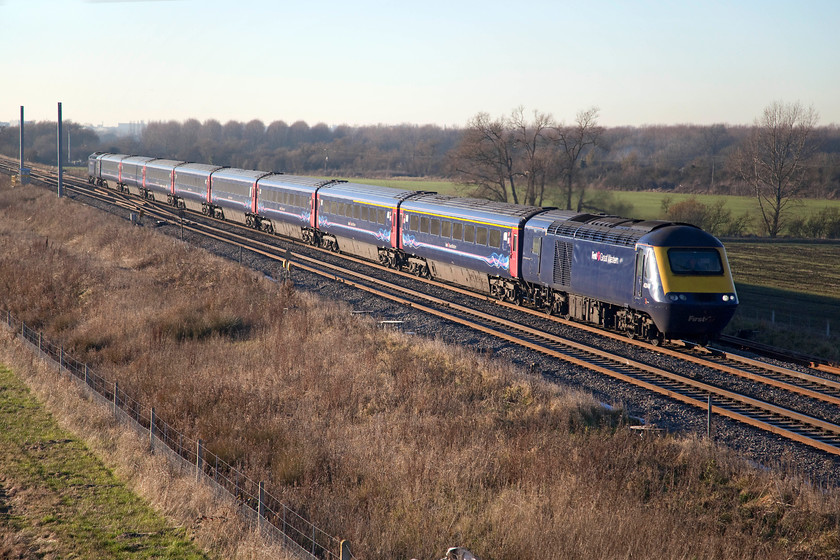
(655, 280)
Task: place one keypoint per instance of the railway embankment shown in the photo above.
(405, 446)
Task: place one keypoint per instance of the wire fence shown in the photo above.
(276, 522)
(816, 325)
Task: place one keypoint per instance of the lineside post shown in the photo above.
(709, 418)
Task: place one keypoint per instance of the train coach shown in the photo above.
(466, 241)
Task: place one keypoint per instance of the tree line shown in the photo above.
(523, 157)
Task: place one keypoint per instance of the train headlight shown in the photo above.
(673, 297)
(725, 297)
(729, 298)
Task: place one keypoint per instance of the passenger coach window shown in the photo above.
(424, 224)
(481, 235)
(457, 231)
(469, 234)
(446, 229)
(414, 222)
(435, 227)
(357, 211)
(365, 213)
(382, 216)
(495, 238)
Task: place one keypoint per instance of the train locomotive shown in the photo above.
(653, 280)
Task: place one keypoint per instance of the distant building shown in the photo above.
(133, 129)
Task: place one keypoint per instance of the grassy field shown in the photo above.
(59, 501)
(790, 293)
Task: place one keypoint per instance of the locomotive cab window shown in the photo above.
(695, 262)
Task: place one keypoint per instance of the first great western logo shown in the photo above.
(605, 258)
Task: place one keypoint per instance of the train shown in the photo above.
(649, 279)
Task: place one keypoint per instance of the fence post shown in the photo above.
(40, 336)
(87, 380)
(152, 430)
(199, 456)
(60, 358)
(261, 506)
(116, 397)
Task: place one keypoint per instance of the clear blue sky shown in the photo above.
(441, 62)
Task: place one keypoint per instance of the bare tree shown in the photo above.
(532, 138)
(485, 158)
(573, 141)
(715, 138)
(773, 157)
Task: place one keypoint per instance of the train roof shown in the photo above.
(164, 163)
(235, 174)
(114, 157)
(137, 159)
(293, 182)
(372, 194)
(197, 168)
(616, 230)
(476, 209)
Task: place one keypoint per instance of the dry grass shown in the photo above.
(402, 446)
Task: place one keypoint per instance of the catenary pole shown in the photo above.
(60, 186)
(21, 141)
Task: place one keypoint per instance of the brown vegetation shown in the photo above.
(402, 446)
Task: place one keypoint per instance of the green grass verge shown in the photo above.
(57, 500)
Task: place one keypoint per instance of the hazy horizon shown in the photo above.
(372, 62)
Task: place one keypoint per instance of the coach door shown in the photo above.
(639, 281)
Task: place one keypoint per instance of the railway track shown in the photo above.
(792, 422)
